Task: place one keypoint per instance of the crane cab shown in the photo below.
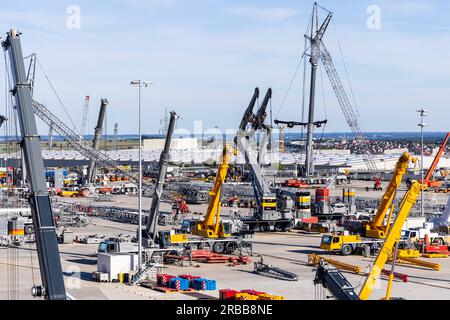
(342, 243)
(200, 229)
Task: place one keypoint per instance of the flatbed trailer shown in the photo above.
(255, 224)
(220, 245)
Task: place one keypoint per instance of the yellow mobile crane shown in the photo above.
(376, 228)
(392, 238)
(335, 282)
(211, 226)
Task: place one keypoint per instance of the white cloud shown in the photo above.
(411, 7)
(150, 4)
(262, 14)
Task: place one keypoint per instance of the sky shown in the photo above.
(205, 58)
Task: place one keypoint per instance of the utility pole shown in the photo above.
(96, 141)
(140, 84)
(423, 113)
(42, 213)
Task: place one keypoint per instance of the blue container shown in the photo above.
(184, 283)
(200, 284)
(210, 284)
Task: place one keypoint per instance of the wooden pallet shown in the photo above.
(170, 290)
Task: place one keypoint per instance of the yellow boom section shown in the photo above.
(393, 236)
(376, 227)
(211, 227)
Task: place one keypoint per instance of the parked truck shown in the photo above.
(349, 244)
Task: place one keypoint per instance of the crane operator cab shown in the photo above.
(194, 226)
(344, 244)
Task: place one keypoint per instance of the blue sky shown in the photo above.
(206, 57)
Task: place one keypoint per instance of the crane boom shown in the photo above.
(73, 140)
(248, 115)
(393, 236)
(163, 161)
(261, 114)
(41, 208)
(211, 226)
(266, 199)
(436, 159)
(347, 109)
(258, 124)
(375, 228)
(332, 279)
(84, 117)
(96, 141)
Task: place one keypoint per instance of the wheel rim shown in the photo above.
(218, 247)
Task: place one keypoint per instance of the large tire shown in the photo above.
(365, 250)
(29, 229)
(439, 241)
(230, 247)
(264, 227)
(346, 250)
(218, 247)
(278, 227)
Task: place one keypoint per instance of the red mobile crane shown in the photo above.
(428, 180)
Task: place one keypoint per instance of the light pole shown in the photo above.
(139, 84)
(423, 113)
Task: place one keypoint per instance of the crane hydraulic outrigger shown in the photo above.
(42, 214)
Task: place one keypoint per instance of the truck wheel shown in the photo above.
(439, 241)
(264, 227)
(218, 247)
(365, 250)
(29, 229)
(230, 247)
(346, 250)
(278, 227)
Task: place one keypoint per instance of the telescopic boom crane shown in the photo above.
(96, 141)
(150, 231)
(211, 226)
(376, 228)
(427, 179)
(41, 208)
(266, 215)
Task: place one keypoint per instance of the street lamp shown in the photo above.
(423, 113)
(139, 84)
